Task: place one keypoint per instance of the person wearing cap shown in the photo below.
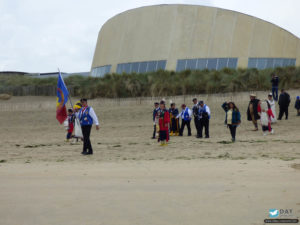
(186, 117)
(87, 118)
(164, 122)
(297, 105)
(284, 102)
(174, 128)
(273, 108)
(204, 117)
(195, 110)
(155, 121)
(252, 111)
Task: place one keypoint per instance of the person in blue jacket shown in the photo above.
(232, 118)
(87, 118)
(186, 117)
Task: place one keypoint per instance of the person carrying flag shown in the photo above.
(87, 118)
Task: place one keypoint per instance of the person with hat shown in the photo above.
(252, 111)
(195, 110)
(87, 118)
(186, 117)
(297, 105)
(174, 128)
(155, 121)
(273, 108)
(164, 122)
(284, 102)
(204, 117)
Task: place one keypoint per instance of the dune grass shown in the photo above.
(164, 83)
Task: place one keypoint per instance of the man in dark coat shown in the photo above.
(284, 102)
(196, 115)
(252, 112)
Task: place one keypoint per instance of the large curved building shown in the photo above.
(179, 37)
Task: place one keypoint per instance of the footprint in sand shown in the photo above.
(296, 166)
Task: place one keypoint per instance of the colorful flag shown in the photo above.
(61, 100)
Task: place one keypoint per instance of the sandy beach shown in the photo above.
(130, 179)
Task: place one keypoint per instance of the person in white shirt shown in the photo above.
(186, 116)
(87, 118)
(204, 116)
(272, 104)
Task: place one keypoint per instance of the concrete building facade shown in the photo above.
(179, 37)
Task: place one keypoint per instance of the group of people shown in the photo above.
(79, 124)
(167, 121)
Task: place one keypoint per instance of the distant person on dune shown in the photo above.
(284, 102)
(195, 110)
(273, 108)
(297, 105)
(252, 111)
(232, 118)
(164, 122)
(275, 83)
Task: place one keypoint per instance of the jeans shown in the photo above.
(275, 93)
(232, 129)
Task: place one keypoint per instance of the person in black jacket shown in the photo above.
(297, 105)
(284, 102)
(196, 115)
(252, 111)
(275, 82)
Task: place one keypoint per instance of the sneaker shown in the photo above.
(265, 133)
(272, 131)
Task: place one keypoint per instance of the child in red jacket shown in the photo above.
(265, 117)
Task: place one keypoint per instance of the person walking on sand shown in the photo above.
(265, 117)
(204, 117)
(174, 128)
(273, 108)
(164, 122)
(155, 110)
(252, 113)
(275, 82)
(284, 102)
(232, 118)
(87, 118)
(195, 110)
(186, 117)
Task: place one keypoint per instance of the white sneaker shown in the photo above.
(265, 133)
(272, 131)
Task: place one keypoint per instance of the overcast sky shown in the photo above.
(39, 35)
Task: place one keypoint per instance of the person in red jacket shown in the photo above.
(164, 122)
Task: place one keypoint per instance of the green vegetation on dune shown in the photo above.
(164, 83)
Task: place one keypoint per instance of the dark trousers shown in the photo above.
(232, 129)
(86, 131)
(275, 93)
(283, 110)
(174, 125)
(154, 131)
(188, 124)
(196, 122)
(204, 123)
